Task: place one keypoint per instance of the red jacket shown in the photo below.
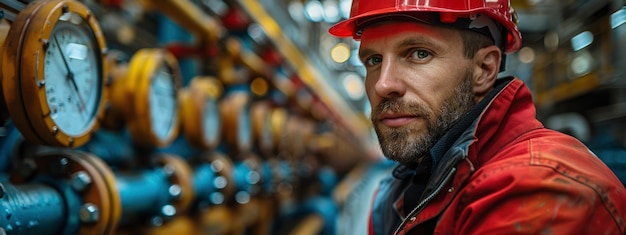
(507, 174)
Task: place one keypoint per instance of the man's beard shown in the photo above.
(405, 144)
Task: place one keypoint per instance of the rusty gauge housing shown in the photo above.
(151, 90)
(52, 68)
(200, 114)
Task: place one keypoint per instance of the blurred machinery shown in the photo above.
(163, 116)
(202, 117)
(576, 68)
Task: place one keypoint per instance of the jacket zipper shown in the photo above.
(426, 200)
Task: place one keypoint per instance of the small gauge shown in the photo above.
(262, 127)
(278, 122)
(53, 70)
(152, 86)
(244, 129)
(200, 115)
(235, 114)
(299, 131)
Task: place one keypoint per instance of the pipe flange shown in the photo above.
(91, 179)
(181, 178)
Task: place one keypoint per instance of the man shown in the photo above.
(474, 159)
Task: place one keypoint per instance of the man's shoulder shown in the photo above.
(554, 168)
(548, 149)
(550, 159)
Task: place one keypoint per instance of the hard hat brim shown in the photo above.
(348, 27)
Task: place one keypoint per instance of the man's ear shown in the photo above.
(487, 66)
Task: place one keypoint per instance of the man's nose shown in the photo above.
(390, 82)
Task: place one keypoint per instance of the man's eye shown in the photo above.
(420, 54)
(373, 61)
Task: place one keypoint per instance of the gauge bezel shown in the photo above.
(23, 72)
(141, 72)
(234, 109)
(262, 134)
(193, 100)
(278, 127)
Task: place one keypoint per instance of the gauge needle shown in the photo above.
(70, 75)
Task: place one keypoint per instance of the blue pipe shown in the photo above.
(32, 208)
(143, 193)
(206, 183)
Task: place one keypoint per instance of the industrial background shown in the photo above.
(241, 116)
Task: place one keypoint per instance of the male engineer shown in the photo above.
(473, 157)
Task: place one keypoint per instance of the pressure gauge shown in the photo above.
(299, 131)
(162, 100)
(235, 113)
(278, 122)
(53, 71)
(262, 127)
(200, 115)
(152, 86)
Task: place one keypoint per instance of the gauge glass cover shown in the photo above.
(211, 122)
(72, 74)
(244, 135)
(163, 106)
(267, 139)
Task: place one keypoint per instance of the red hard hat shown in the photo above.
(498, 10)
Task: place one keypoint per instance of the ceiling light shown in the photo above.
(331, 12)
(582, 40)
(340, 53)
(618, 18)
(581, 64)
(353, 84)
(314, 11)
(551, 41)
(344, 8)
(526, 55)
(295, 9)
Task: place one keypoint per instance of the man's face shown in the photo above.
(418, 83)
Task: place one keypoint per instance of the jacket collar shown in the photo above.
(505, 119)
(451, 137)
(453, 146)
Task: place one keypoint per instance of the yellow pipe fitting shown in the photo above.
(188, 16)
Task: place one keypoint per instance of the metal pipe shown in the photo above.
(247, 181)
(190, 17)
(144, 193)
(207, 184)
(31, 209)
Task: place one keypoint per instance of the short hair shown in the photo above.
(474, 41)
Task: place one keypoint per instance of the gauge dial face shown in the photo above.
(237, 126)
(152, 86)
(244, 129)
(262, 132)
(72, 76)
(200, 113)
(53, 70)
(163, 102)
(267, 137)
(211, 121)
